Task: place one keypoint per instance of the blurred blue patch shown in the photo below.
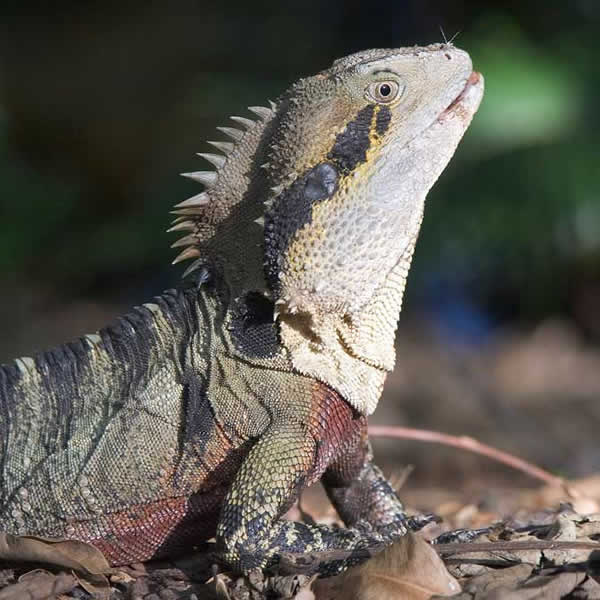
(455, 317)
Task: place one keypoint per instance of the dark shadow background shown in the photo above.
(103, 104)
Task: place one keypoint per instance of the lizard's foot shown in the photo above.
(417, 522)
(460, 535)
(316, 549)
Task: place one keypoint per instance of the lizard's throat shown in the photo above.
(324, 354)
(376, 362)
(350, 353)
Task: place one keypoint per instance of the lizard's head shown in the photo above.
(358, 148)
(337, 172)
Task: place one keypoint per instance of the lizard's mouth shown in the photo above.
(473, 80)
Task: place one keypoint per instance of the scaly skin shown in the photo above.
(207, 412)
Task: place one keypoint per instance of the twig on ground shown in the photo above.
(508, 546)
(472, 445)
(308, 562)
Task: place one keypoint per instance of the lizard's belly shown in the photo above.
(126, 526)
(156, 530)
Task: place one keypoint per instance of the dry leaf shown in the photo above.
(87, 561)
(409, 569)
(39, 585)
(486, 584)
(541, 587)
(121, 577)
(588, 590)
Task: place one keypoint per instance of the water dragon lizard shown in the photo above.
(205, 412)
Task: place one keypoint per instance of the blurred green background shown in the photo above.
(103, 104)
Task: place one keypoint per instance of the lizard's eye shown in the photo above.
(384, 92)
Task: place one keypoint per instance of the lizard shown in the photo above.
(206, 412)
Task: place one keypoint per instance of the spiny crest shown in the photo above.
(199, 216)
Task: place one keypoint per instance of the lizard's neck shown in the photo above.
(352, 353)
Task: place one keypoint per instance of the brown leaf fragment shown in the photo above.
(466, 568)
(71, 554)
(588, 590)
(485, 584)
(95, 585)
(87, 561)
(589, 526)
(478, 563)
(121, 577)
(518, 583)
(409, 569)
(6, 576)
(221, 586)
(542, 587)
(255, 586)
(39, 585)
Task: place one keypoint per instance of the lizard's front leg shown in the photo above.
(251, 533)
